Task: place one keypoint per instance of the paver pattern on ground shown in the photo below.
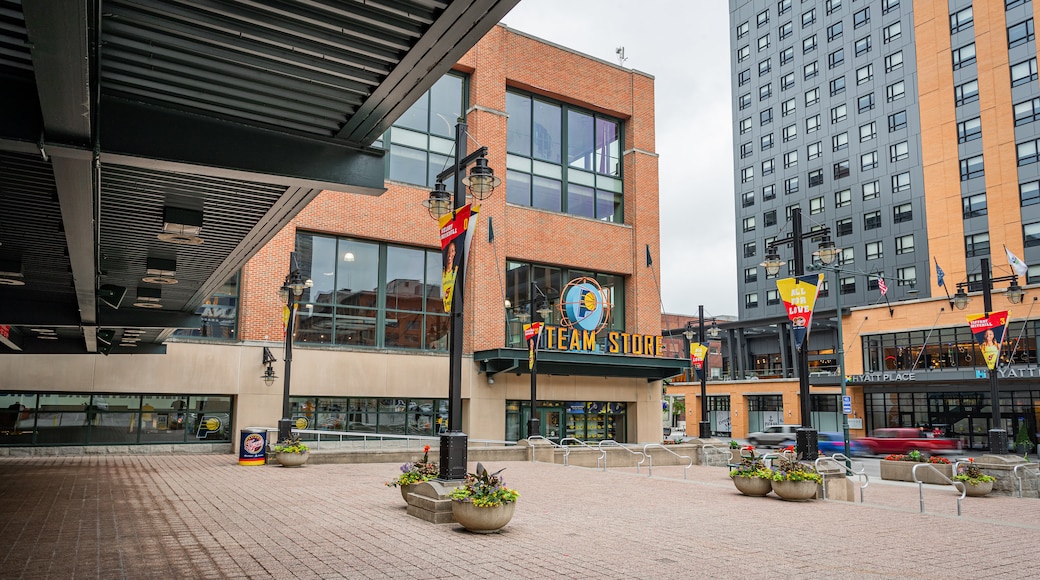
(191, 516)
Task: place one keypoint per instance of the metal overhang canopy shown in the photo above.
(514, 360)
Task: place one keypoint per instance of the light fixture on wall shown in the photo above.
(268, 375)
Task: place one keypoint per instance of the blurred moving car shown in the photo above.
(905, 439)
(831, 442)
(775, 435)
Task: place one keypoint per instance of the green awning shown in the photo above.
(514, 360)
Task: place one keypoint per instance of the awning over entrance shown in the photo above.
(149, 149)
(515, 360)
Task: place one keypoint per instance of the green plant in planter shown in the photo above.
(1022, 440)
(733, 444)
(484, 490)
(750, 465)
(972, 475)
(788, 468)
(418, 472)
(291, 445)
(916, 456)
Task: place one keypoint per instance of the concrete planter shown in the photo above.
(407, 489)
(482, 520)
(753, 486)
(795, 490)
(903, 471)
(980, 488)
(291, 459)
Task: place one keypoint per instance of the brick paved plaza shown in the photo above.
(191, 516)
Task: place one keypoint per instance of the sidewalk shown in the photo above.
(189, 516)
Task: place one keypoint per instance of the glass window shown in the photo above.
(971, 168)
(751, 300)
(764, 67)
(862, 46)
(867, 132)
(1029, 193)
(813, 150)
(892, 32)
(833, 6)
(1031, 234)
(1021, 73)
(765, 91)
(747, 174)
(787, 107)
(564, 159)
(843, 227)
(370, 294)
(843, 198)
(969, 130)
(897, 121)
(811, 70)
(812, 96)
(750, 275)
(861, 18)
(870, 190)
(906, 276)
(836, 58)
(746, 150)
(768, 192)
(1027, 111)
(875, 250)
(790, 132)
(786, 81)
(766, 141)
(895, 91)
(816, 178)
(841, 169)
(969, 92)
(812, 124)
(763, 42)
(790, 185)
(749, 249)
(767, 167)
(868, 161)
(872, 220)
(745, 125)
(769, 218)
(743, 53)
(1020, 33)
(889, 5)
(749, 224)
(421, 140)
(785, 31)
(742, 30)
(834, 31)
(748, 198)
(1028, 152)
(976, 245)
(903, 212)
(894, 61)
(838, 86)
(816, 205)
(900, 182)
(790, 159)
(839, 113)
(786, 55)
(961, 20)
(744, 77)
(783, 7)
(219, 314)
(840, 141)
(975, 206)
(765, 117)
(744, 101)
(865, 103)
(763, 18)
(808, 17)
(899, 151)
(809, 44)
(905, 244)
(864, 74)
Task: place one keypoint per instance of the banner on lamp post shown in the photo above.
(989, 334)
(698, 353)
(455, 243)
(799, 296)
(532, 334)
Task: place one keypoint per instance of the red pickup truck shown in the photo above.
(903, 440)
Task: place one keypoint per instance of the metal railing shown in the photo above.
(920, 484)
(363, 439)
(709, 449)
(1018, 478)
(650, 468)
(567, 448)
(842, 461)
(603, 445)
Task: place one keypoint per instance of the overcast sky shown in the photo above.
(684, 45)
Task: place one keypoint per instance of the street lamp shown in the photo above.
(543, 311)
(291, 291)
(841, 351)
(705, 425)
(481, 182)
(806, 439)
(998, 438)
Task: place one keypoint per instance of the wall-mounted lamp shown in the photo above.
(268, 375)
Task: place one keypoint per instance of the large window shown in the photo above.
(422, 139)
(369, 294)
(219, 314)
(563, 159)
(528, 286)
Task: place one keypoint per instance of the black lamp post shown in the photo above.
(291, 291)
(806, 438)
(533, 424)
(705, 424)
(481, 182)
(998, 438)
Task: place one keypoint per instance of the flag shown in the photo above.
(649, 260)
(1017, 265)
(939, 274)
(881, 285)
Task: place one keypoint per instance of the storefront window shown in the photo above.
(558, 420)
(371, 415)
(765, 411)
(219, 314)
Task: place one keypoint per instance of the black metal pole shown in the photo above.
(454, 442)
(534, 423)
(806, 439)
(998, 438)
(705, 430)
(285, 423)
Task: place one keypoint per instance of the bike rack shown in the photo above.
(611, 443)
(920, 485)
(837, 459)
(650, 469)
(1018, 478)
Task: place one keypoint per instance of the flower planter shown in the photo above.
(753, 486)
(904, 471)
(795, 490)
(980, 489)
(291, 459)
(407, 489)
(482, 520)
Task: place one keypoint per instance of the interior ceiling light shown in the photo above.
(160, 271)
(11, 273)
(42, 330)
(147, 298)
(181, 226)
(47, 337)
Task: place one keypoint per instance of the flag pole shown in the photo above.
(942, 282)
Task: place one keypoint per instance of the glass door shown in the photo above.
(551, 424)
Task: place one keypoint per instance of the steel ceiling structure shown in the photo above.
(126, 119)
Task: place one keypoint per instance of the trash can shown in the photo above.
(252, 447)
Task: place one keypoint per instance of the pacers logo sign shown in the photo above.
(585, 309)
(584, 305)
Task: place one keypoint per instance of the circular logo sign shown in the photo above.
(212, 424)
(584, 304)
(254, 443)
(302, 422)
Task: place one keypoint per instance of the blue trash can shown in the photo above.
(252, 447)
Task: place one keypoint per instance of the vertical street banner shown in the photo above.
(698, 352)
(454, 227)
(989, 334)
(532, 334)
(799, 296)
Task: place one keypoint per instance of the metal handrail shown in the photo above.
(567, 448)
(549, 441)
(366, 437)
(838, 459)
(1018, 478)
(611, 443)
(650, 469)
(708, 446)
(920, 485)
